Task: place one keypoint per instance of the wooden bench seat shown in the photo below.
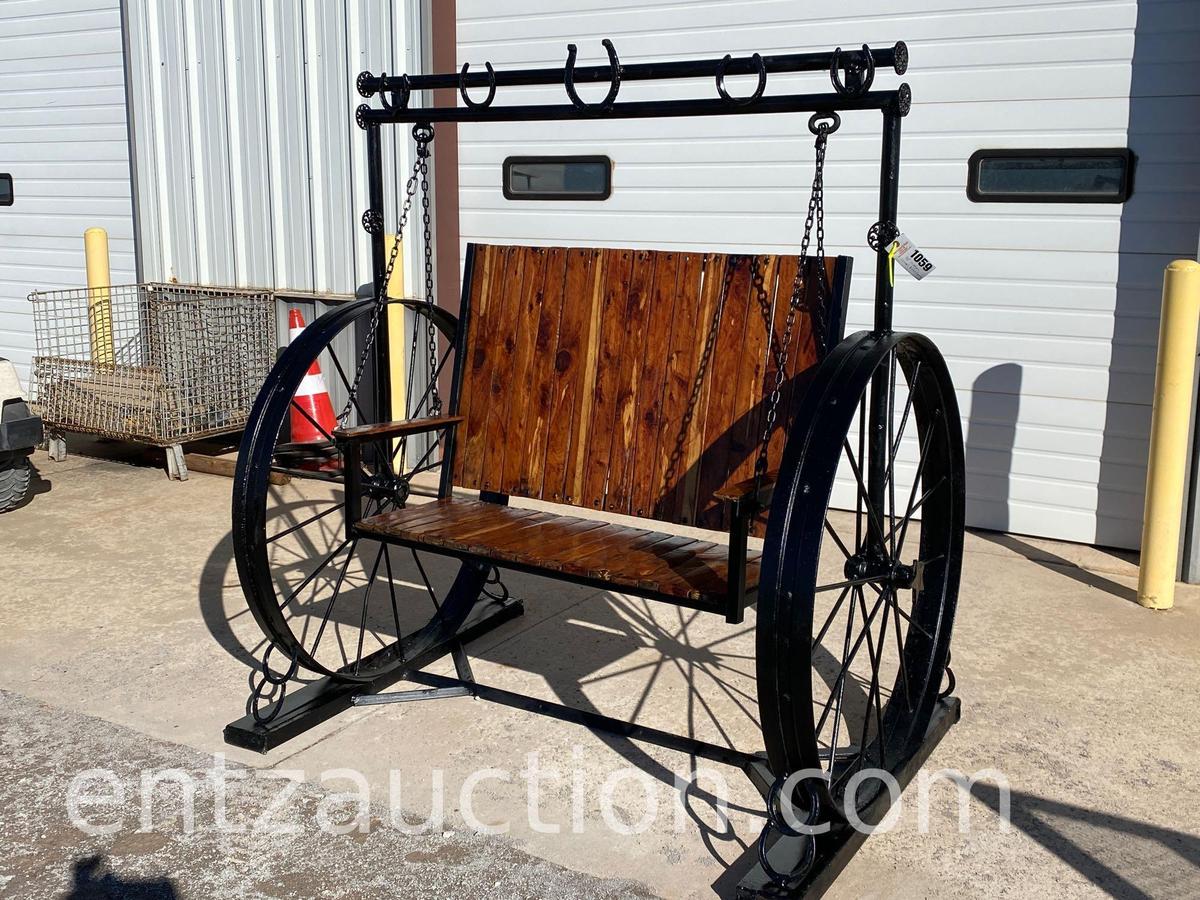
(646, 561)
(633, 382)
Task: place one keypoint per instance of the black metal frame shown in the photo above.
(852, 75)
(12, 191)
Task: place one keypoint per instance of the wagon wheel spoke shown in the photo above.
(870, 672)
(300, 525)
(316, 589)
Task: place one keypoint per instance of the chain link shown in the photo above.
(799, 299)
(419, 177)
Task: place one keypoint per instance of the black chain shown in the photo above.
(799, 298)
(435, 399)
(423, 134)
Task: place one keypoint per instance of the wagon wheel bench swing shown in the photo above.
(702, 389)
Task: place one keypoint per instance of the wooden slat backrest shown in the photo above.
(619, 380)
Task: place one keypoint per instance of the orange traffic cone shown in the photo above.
(312, 397)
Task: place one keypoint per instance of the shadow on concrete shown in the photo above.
(93, 881)
(573, 638)
(1125, 858)
(1058, 564)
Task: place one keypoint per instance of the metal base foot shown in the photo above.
(325, 698)
(837, 847)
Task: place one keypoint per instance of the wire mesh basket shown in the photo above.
(155, 363)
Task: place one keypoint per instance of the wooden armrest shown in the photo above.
(391, 429)
(749, 490)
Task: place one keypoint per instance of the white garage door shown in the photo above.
(1048, 313)
(63, 139)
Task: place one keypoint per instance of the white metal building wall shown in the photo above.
(63, 139)
(250, 168)
(1047, 313)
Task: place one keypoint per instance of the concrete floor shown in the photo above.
(125, 645)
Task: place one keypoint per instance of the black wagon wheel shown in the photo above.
(338, 605)
(861, 566)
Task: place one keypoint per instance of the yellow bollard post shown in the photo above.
(1169, 429)
(397, 349)
(95, 251)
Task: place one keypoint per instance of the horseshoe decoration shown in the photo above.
(723, 65)
(614, 80)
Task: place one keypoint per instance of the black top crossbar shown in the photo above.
(642, 109)
(893, 57)
(851, 72)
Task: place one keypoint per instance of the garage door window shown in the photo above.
(557, 177)
(1050, 176)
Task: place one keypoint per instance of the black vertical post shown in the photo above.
(380, 363)
(881, 387)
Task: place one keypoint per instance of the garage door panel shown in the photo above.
(59, 129)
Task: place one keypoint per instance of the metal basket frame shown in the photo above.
(154, 363)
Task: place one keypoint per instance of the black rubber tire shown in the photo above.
(15, 478)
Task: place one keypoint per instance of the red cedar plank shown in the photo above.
(492, 542)
(648, 426)
(752, 390)
(581, 413)
(477, 301)
(622, 463)
(549, 549)
(531, 545)
(501, 339)
(406, 517)
(482, 360)
(666, 486)
(575, 556)
(566, 374)
(600, 559)
(519, 414)
(631, 559)
(520, 542)
(706, 575)
(646, 568)
(477, 524)
(607, 363)
(719, 416)
(448, 513)
(710, 325)
(533, 457)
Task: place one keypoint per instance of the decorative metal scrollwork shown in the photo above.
(904, 100)
(881, 235)
(777, 821)
(361, 84)
(614, 80)
(462, 87)
(860, 71)
(268, 687)
(360, 116)
(951, 681)
(723, 65)
(372, 221)
(900, 57)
